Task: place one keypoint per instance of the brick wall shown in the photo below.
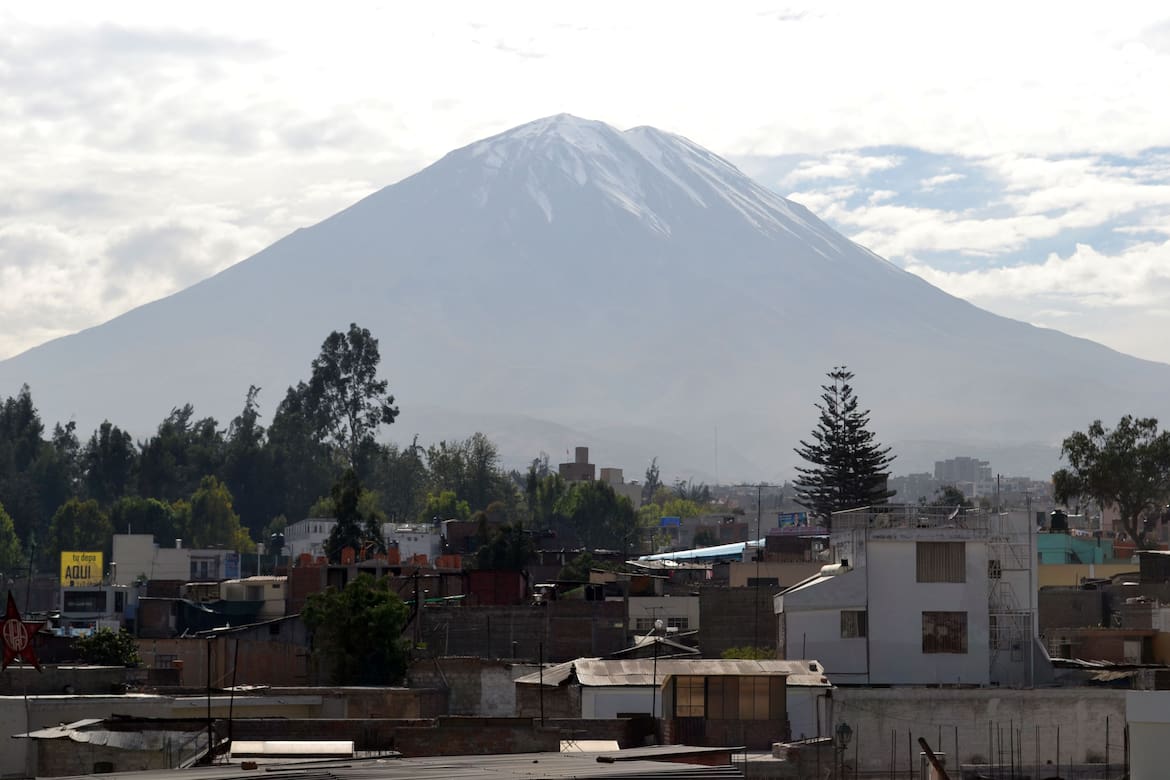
(568, 630)
(59, 757)
(735, 617)
(1069, 608)
(472, 686)
(562, 701)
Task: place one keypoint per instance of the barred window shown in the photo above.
(854, 623)
(942, 561)
(944, 632)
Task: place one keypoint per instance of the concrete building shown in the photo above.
(579, 469)
(913, 488)
(600, 688)
(920, 597)
(962, 470)
(678, 613)
(1148, 715)
(138, 558)
(308, 537)
(270, 594)
(631, 490)
(86, 608)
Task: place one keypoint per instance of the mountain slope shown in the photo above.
(568, 272)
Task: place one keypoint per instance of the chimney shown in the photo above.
(582, 455)
(178, 544)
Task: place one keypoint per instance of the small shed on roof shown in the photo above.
(608, 688)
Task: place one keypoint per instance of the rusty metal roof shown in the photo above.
(641, 671)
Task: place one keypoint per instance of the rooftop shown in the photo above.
(641, 763)
(641, 671)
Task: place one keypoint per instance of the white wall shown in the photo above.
(664, 607)
(413, 540)
(802, 711)
(602, 702)
(307, 536)
(1148, 715)
(134, 554)
(897, 601)
(811, 626)
(817, 634)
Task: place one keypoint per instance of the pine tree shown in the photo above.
(848, 469)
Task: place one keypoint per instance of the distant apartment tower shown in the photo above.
(962, 470)
(912, 488)
(580, 469)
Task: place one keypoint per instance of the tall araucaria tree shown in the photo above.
(847, 467)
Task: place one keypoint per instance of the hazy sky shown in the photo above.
(1015, 154)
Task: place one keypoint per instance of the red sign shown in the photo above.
(18, 636)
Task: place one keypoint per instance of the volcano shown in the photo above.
(567, 283)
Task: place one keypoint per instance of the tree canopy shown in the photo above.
(600, 518)
(1127, 467)
(345, 395)
(847, 467)
(160, 485)
(11, 557)
(357, 632)
(108, 648)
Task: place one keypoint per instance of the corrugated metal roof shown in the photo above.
(554, 766)
(92, 731)
(641, 671)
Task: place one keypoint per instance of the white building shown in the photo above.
(136, 556)
(1147, 713)
(309, 536)
(677, 613)
(608, 688)
(915, 598)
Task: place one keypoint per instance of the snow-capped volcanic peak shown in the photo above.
(642, 170)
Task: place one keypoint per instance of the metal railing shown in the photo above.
(910, 516)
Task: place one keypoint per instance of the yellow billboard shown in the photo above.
(81, 569)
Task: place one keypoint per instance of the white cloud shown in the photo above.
(1117, 299)
(168, 141)
(840, 165)
(943, 178)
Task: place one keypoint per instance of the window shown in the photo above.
(164, 660)
(746, 698)
(944, 632)
(119, 602)
(942, 561)
(723, 698)
(853, 623)
(84, 601)
(644, 625)
(994, 570)
(753, 698)
(688, 697)
(205, 569)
